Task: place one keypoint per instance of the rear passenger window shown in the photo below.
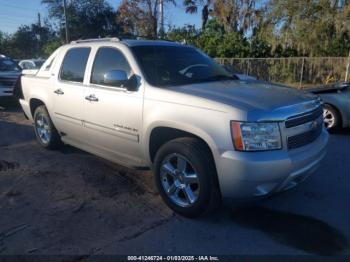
(108, 59)
(74, 64)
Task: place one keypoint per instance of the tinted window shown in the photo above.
(74, 64)
(108, 59)
(7, 64)
(178, 65)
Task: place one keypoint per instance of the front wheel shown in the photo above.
(331, 117)
(45, 131)
(186, 177)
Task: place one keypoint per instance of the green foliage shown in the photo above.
(86, 19)
(187, 33)
(276, 28)
(310, 27)
(140, 17)
(231, 28)
(213, 40)
(4, 43)
(26, 42)
(51, 46)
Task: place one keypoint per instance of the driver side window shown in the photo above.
(106, 60)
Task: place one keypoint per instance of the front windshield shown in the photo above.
(178, 65)
(7, 64)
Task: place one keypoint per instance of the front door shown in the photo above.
(113, 115)
(68, 97)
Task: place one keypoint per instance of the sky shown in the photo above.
(14, 13)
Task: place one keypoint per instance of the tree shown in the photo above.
(4, 43)
(213, 40)
(234, 15)
(50, 46)
(140, 17)
(27, 41)
(193, 5)
(187, 34)
(86, 19)
(312, 27)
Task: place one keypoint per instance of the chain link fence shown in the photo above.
(294, 71)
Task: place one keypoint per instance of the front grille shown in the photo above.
(7, 82)
(304, 118)
(304, 138)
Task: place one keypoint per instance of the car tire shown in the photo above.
(45, 131)
(331, 118)
(186, 178)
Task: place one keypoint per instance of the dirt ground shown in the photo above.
(63, 201)
(71, 202)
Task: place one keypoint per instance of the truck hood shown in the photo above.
(332, 88)
(248, 95)
(260, 100)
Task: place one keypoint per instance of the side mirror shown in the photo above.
(115, 78)
(120, 78)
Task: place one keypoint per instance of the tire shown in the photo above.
(331, 118)
(45, 131)
(197, 175)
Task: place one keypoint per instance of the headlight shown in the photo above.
(256, 136)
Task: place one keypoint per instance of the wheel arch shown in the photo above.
(34, 103)
(160, 134)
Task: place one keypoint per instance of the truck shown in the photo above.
(148, 104)
(9, 74)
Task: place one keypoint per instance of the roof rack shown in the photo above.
(112, 39)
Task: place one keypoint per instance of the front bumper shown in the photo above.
(255, 174)
(26, 109)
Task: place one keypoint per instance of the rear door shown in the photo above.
(113, 115)
(68, 94)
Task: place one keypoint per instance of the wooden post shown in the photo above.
(347, 68)
(302, 73)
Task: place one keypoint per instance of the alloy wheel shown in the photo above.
(328, 118)
(43, 128)
(179, 180)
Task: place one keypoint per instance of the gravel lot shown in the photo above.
(70, 202)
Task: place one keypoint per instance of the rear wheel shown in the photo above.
(331, 117)
(186, 177)
(45, 131)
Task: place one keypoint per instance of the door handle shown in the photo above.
(92, 98)
(59, 91)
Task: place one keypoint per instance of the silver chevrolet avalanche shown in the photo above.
(154, 104)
